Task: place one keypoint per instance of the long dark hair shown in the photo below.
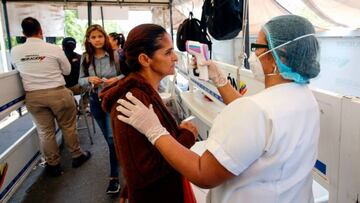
(144, 38)
(119, 37)
(90, 50)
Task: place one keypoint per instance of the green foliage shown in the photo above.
(13, 42)
(109, 26)
(74, 27)
(58, 40)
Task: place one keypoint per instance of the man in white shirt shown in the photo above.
(41, 66)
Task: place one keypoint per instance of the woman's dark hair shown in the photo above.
(119, 38)
(30, 26)
(90, 50)
(144, 38)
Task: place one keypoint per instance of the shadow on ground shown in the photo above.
(87, 183)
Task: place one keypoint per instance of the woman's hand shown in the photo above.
(190, 127)
(96, 81)
(109, 81)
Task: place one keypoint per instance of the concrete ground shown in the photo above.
(86, 184)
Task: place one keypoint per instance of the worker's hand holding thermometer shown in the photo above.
(207, 68)
(201, 53)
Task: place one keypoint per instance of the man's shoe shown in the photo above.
(54, 170)
(114, 186)
(76, 162)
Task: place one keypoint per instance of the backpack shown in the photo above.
(223, 18)
(191, 29)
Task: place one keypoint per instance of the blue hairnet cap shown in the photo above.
(295, 48)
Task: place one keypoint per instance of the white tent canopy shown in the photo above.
(324, 14)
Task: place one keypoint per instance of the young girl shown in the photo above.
(99, 68)
(149, 56)
(117, 41)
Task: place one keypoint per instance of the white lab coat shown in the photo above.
(269, 141)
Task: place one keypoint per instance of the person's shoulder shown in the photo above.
(15, 48)
(264, 98)
(18, 49)
(242, 106)
(75, 57)
(118, 90)
(52, 46)
(139, 93)
(83, 56)
(243, 102)
(48, 46)
(137, 86)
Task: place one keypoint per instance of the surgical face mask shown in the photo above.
(257, 68)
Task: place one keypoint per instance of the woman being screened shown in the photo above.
(149, 177)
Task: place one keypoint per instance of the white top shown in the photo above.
(269, 141)
(40, 64)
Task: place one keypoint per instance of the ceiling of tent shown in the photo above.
(124, 2)
(258, 15)
(324, 14)
(346, 13)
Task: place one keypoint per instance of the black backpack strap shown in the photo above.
(204, 27)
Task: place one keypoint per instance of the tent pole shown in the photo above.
(102, 17)
(245, 35)
(6, 19)
(89, 13)
(171, 20)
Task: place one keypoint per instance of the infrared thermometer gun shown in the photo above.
(201, 53)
